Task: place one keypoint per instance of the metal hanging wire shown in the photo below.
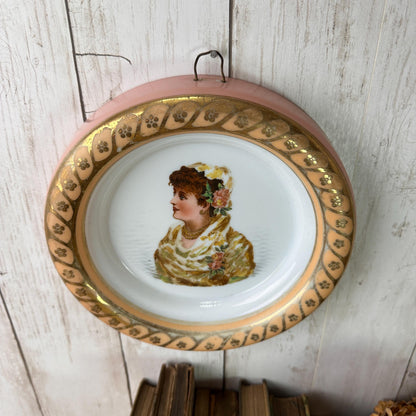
(213, 54)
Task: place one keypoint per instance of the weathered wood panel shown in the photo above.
(74, 361)
(17, 395)
(350, 65)
(371, 328)
(122, 45)
(408, 385)
(118, 48)
(319, 55)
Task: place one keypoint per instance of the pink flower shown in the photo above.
(217, 261)
(220, 198)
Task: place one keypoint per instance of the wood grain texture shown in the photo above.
(121, 46)
(118, 48)
(17, 395)
(349, 65)
(408, 385)
(371, 326)
(74, 360)
(319, 55)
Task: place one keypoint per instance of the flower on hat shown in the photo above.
(218, 199)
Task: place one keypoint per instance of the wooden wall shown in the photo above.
(349, 64)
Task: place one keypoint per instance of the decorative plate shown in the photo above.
(200, 215)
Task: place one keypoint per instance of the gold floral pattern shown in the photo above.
(334, 265)
(62, 206)
(180, 116)
(81, 291)
(341, 223)
(339, 243)
(69, 274)
(125, 131)
(326, 179)
(324, 284)
(152, 121)
(241, 121)
(274, 328)
(102, 146)
(311, 160)
(310, 303)
(114, 322)
(96, 308)
(211, 115)
(336, 201)
(70, 185)
(291, 144)
(134, 332)
(58, 229)
(155, 340)
(293, 317)
(269, 130)
(83, 164)
(61, 252)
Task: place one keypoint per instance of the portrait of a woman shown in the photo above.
(203, 250)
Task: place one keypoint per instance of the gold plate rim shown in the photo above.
(93, 154)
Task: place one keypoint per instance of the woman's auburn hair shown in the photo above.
(192, 181)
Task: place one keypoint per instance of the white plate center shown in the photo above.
(130, 212)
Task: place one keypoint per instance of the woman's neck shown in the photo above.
(198, 223)
(189, 235)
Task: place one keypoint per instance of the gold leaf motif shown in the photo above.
(180, 116)
(336, 201)
(326, 180)
(311, 160)
(82, 163)
(69, 185)
(342, 223)
(291, 144)
(274, 328)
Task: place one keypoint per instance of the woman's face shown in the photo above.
(185, 205)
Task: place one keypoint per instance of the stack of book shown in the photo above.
(175, 395)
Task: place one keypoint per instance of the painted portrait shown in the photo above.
(203, 249)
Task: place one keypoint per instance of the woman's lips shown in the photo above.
(175, 209)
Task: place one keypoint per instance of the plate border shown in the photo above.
(310, 158)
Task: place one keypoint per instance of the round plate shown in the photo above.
(276, 243)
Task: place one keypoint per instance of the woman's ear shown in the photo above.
(205, 208)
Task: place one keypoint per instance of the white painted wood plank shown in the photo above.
(74, 360)
(317, 54)
(371, 330)
(408, 388)
(122, 45)
(147, 41)
(17, 397)
(320, 56)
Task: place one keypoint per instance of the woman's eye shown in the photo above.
(182, 197)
